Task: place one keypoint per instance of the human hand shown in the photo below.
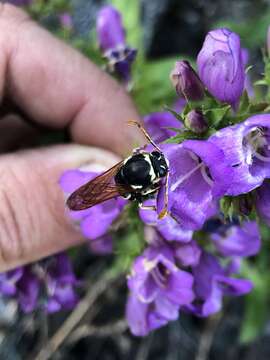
(54, 86)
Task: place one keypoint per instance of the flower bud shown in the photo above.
(186, 81)
(195, 121)
(110, 31)
(220, 65)
(112, 41)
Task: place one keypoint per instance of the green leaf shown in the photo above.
(256, 305)
(185, 135)
(153, 88)
(216, 115)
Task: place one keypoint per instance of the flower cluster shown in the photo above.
(48, 284)
(214, 159)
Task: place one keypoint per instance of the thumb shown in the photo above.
(33, 221)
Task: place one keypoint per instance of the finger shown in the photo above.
(33, 221)
(57, 86)
(16, 134)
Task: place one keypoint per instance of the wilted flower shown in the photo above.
(158, 290)
(196, 122)
(246, 148)
(186, 81)
(211, 283)
(221, 67)
(112, 41)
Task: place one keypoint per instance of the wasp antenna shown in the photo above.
(136, 123)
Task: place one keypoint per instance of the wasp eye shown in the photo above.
(162, 171)
(156, 154)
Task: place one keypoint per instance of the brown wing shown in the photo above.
(96, 190)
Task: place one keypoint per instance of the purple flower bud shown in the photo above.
(196, 122)
(110, 30)
(66, 20)
(112, 41)
(220, 65)
(186, 81)
(263, 202)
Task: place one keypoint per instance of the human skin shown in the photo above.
(54, 86)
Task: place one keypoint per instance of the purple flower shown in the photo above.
(8, 281)
(262, 201)
(196, 122)
(211, 283)
(198, 176)
(246, 148)
(111, 38)
(157, 124)
(187, 254)
(186, 81)
(97, 220)
(238, 240)
(158, 289)
(28, 289)
(48, 284)
(60, 283)
(66, 20)
(169, 228)
(220, 65)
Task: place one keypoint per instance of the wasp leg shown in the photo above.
(164, 211)
(145, 133)
(143, 207)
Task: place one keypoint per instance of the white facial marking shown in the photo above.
(151, 172)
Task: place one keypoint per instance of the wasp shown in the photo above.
(137, 178)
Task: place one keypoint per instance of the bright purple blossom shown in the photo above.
(186, 82)
(158, 290)
(221, 67)
(198, 176)
(211, 283)
(238, 240)
(169, 228)
(247, 149)
(96, 221)
(111, 38)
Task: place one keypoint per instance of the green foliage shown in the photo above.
(153, 89)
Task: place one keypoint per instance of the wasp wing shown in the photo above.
(96, 190)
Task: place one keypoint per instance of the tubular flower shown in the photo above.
(246, 148)
(96, 221)
(236, 240)
(211, 283)
(196, 180)
(158, 288)
(221, 67)
(111, 38)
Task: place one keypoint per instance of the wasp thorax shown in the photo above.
(142, 172)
